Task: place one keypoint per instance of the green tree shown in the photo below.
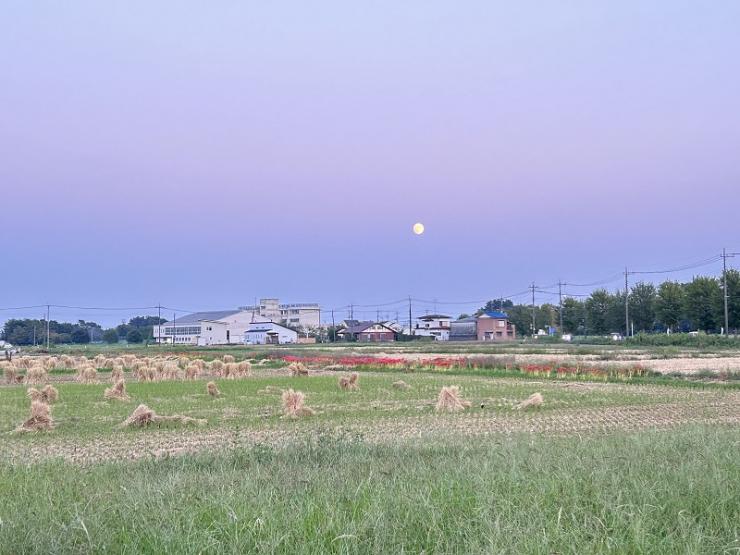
(642, 306)
(521, 316)
(597, 312)
(733, 301)
(574, 316)
(670, 304)
(80, 335)
(702, 303)
(134, 336)
(110, 336)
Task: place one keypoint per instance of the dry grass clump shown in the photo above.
(37, 375)
(40, 419)
(170, 371)
(297, 369)
(48, 394)
(200, 363)
(400, 384)
(212, 389)
(245, 368)
(293, 404)
(67, 361)
(449, 400)
(116, 374)
(146, 374)
(87, 375)
(192, 372)
(144, 416)
(11, 375)
(216, 367)
(128, 361)
(24, 362)
(117, 392)
(534, 400)
(349, 382)
(228, 358)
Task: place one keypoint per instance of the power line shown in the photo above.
(691, 266)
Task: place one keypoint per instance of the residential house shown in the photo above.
(436, 326)
(367, 332)
(493, 325)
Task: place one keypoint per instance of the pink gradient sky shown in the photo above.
(201, 156)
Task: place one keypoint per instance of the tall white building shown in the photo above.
(297, 315)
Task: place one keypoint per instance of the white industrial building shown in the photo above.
(205, 328)
(269, 333)
(296, 315)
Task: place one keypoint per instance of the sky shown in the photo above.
(201, 155)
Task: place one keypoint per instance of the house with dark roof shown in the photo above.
(367, 332)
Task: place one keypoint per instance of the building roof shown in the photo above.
(494, 314)
(266, 327)
(197, 317)
(434, 317)
(362, 326)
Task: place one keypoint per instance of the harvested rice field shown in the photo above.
(297, 455)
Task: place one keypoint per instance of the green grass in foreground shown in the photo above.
(656, 492)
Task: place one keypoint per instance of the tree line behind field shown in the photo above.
(697, 305)
(29, 331)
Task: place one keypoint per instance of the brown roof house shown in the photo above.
(367, 332)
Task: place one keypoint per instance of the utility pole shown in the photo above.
(48, 343)
(377, 315)
(726, 292)
(159, 323)
(333, 327)
(411, 331)
(534, 313)
(626, 303)
(351, 312)
(174, 327)
(560, 304)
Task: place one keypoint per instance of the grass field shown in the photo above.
(633, 467)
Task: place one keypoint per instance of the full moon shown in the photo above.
(418, 228)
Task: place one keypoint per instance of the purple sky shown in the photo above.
(202, 156)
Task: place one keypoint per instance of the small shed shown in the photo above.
(269, 333)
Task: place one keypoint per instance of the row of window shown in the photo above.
(189, 330)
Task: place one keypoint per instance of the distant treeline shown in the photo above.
(27, 331)
(679, 307)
